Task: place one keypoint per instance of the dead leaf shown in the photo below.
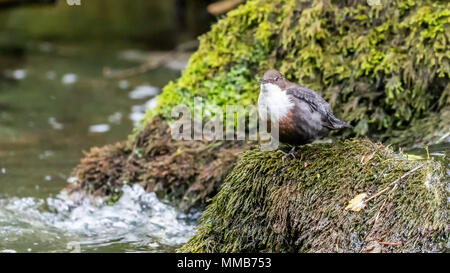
(357, 203)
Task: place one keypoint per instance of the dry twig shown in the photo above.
(393, 183)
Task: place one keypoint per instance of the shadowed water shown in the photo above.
(55, 103)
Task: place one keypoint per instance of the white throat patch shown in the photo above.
(274, 102)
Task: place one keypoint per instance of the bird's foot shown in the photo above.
(291, 153)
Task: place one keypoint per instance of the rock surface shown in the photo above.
(267, 205)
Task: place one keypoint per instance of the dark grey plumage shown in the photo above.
(309, 117)
(318, 104)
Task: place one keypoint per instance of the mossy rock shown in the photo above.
(381, 67)
(298, 205)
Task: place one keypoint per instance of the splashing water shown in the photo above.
(137, 222)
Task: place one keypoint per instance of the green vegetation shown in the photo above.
(93, 20)
(114, 22)
(380, 67)
(267, 205)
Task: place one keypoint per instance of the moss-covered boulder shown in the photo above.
(270, 205)
(384, 68)
(381, 67)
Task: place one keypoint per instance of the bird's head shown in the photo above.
(272, 76)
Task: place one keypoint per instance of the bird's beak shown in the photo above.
(262, 81)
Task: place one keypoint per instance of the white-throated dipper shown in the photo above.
(302, 115)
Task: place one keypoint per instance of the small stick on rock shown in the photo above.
(393, 183)
(391, 244)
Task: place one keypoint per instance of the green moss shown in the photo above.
(380, 67)
(267, 205)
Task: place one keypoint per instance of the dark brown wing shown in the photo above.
(318, 104)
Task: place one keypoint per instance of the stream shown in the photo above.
(55, 103)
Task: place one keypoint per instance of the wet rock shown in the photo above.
(187, 173)
(267, 205)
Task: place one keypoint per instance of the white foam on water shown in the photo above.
(176, 65)
(46, 154)
(69, 79)
(72, 179)
(143, 91)
(136, 117)
(55, 124)
(150, 104)
(115, 118)
(138, 218)
(138, 111)
(8, 251)
(99, 128)
(19, 74)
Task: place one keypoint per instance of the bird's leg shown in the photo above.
(292, 151)
(286, 155)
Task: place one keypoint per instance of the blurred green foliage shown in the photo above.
(103, 20)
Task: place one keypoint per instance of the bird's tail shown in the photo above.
(337, 123)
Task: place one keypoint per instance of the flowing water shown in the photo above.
(55, 103)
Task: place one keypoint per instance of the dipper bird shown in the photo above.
(302, 115)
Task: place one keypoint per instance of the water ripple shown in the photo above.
(138, 219)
